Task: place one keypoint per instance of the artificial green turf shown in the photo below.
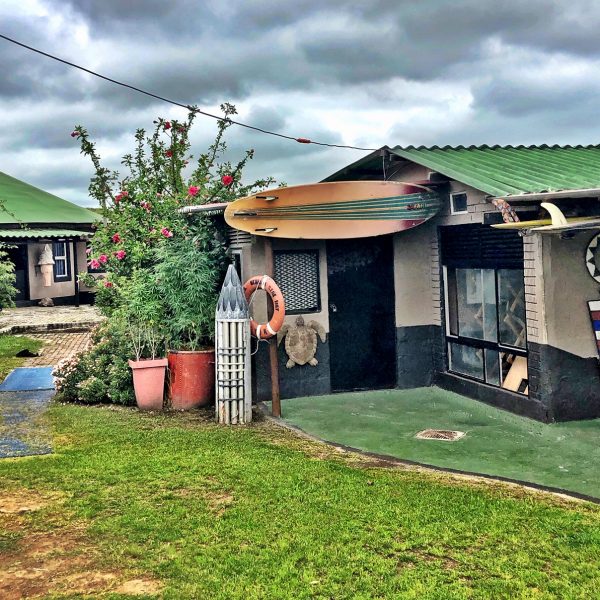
(292, 525)
(564, 455)
(11, 345)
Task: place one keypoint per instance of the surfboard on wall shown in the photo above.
(335, 210)
(557, 223)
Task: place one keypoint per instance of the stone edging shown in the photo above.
(49, 328)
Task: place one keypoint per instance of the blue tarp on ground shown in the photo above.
(24, 379)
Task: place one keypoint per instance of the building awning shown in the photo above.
(24, 234)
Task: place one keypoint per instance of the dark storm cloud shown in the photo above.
(385, 71)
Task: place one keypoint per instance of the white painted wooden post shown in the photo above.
(233, 402)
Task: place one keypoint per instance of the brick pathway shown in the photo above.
(57, 346)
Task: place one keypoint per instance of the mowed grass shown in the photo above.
(255, 512)
(10, 345)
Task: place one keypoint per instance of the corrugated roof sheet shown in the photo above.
(24, 203)
(512, 170)
(15, 234)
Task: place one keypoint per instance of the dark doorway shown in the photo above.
(362, 338)
(18, 256)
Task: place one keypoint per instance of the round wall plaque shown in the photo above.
(592, 257)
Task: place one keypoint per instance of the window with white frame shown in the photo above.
(458, 203)
(62, 268)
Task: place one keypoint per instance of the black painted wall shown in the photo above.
(567, 384)
(415, 364)
(296, 382)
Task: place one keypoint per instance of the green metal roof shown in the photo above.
(24, 203)
(512, 170)
(25, 233)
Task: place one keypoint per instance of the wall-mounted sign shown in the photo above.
(594, 306)
(592, 258)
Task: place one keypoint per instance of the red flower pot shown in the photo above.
(149, 382)
(191, 378)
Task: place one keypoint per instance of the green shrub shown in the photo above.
(101, 374)
(7, 280)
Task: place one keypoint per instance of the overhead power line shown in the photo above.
(300, 140)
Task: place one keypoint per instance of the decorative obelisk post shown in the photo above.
(233, 402)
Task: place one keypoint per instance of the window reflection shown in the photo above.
(486, 308)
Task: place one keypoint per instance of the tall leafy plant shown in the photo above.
(188, 274)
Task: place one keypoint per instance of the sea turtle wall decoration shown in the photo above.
(301, 342)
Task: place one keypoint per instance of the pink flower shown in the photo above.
(88, 251)
(74, 134)
(120, 196)
(227, 180)
(167, 124)
(116, 238)
(166, 232)
(108, 284)
(94, 264)
(120, 254)
(169, 153)
(193, 190)
(146, 205)
(103, 258)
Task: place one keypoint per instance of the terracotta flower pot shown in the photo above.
(191, 378)
(149, 382)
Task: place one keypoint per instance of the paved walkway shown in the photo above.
(41, 319)
(57, 346)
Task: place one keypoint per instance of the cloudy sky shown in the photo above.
(367, 74)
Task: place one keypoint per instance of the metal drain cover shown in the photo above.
(444, 435)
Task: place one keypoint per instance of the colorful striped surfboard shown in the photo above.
(344, 209)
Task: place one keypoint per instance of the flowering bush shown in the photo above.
(162, 268)
(140, 210)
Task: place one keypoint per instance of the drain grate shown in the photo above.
(440, 434)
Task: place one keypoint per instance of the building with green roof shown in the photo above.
(48, 238)
(493, 297)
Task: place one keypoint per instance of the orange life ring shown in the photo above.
(264, 282)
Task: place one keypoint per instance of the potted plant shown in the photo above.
(148, 373)
(142, 311)
(188, 273)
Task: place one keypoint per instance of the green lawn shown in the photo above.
(9, 346)
(563, 455)
(225, 513)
